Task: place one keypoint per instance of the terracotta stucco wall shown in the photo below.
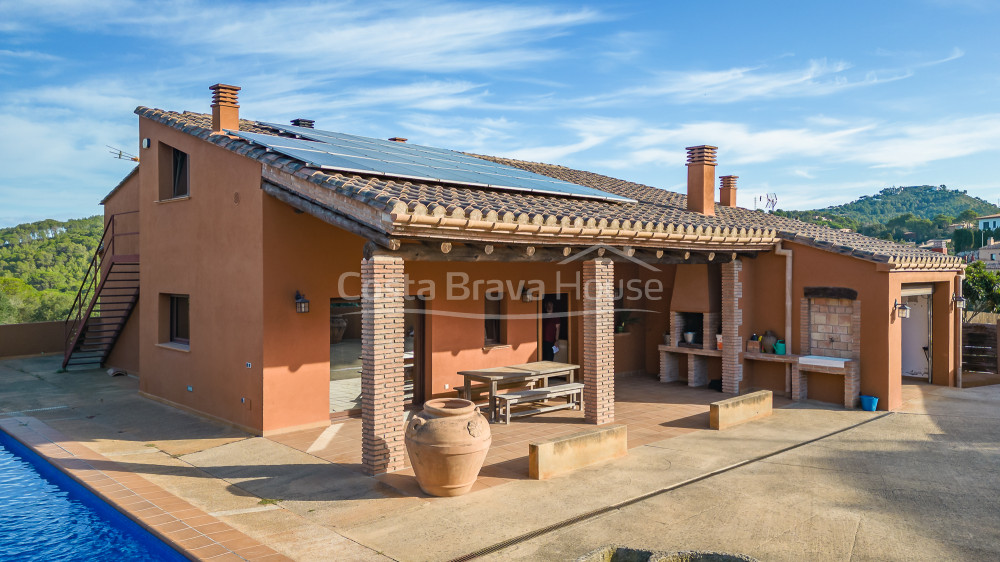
(124, 355)
(208, 246)
(301, 253)
(32, 338)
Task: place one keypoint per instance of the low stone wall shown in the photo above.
(740, 409)
(568, 453)
(32, 339)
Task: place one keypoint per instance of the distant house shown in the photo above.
(988, 222)
(939, 245)
(990, 254)
(291, 276)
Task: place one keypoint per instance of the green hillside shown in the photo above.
(923, 201)
(916, 213)
(42, 265)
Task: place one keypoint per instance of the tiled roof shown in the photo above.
(135, 170)
(659, 218)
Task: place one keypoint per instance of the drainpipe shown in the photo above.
(958, 330)
(787, 254)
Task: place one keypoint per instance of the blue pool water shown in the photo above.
(45, 515)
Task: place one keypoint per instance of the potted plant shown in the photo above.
(624, 322)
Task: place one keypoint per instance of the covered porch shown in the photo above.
(652, 410)
(390, 277)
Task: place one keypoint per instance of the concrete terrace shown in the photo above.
(917, 484)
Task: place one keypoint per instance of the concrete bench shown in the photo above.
(570, 452)
(740, 409)
(572, 391)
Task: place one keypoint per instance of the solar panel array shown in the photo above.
(350, 153)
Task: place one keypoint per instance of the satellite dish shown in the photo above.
(772, 201)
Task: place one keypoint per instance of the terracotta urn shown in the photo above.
(767, 342)
(338, 324)
(447, 444)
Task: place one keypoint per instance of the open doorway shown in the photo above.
(917, 344)
(553, 328)
(345, 356)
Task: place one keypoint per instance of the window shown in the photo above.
(174, 173)
(493, 316)
(180, 323)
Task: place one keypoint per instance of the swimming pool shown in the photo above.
(49, 516)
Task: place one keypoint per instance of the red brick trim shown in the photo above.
(732, 319)
(382, 448)
(599, 341)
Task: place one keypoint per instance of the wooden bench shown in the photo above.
(572, 391)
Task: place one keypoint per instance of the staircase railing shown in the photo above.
(86, 298)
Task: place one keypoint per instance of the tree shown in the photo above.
(962, 240)
(981, 290)
(967, 215)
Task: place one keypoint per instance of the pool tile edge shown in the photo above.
(134, 496)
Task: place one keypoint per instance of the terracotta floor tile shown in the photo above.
(208, 551)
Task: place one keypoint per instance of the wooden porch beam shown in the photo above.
(423, 251)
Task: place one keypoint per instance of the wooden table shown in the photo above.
(539, 371)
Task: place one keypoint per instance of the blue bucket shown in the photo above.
(868, 403)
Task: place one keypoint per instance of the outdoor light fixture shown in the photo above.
(301, 303)
(959, 301)
(902, 310)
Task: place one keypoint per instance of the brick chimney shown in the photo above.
(304, 123)
(701, 179)
(727, 191)
(225, 110)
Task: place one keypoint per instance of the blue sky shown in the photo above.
(816, 102)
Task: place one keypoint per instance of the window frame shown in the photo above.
(493, 320)
(174, 174)
(180, 173)
(175, 319)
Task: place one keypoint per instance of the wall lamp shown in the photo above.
(959, 301)
(902, 310)
(301, 303)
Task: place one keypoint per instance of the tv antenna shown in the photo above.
(121, 154)
(772, 201)
(768, 201)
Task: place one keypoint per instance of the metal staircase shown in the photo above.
(107, 295)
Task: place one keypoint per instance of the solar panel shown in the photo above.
(350, 153)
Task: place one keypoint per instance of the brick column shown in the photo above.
(732, 319)
(670, 369)
(697, 370)
(852, 385)
(800, 386)
(599, 340)
(382, 446)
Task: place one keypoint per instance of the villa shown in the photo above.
(289, 277)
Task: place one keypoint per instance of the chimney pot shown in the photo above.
(397, 139)
(727, 191)
(225, 109)
(701, 179)
(304, 123)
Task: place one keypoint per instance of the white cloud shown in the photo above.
(590, 132)
(341, 37)
(819, 77)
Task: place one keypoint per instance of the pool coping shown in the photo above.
(186, 528)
